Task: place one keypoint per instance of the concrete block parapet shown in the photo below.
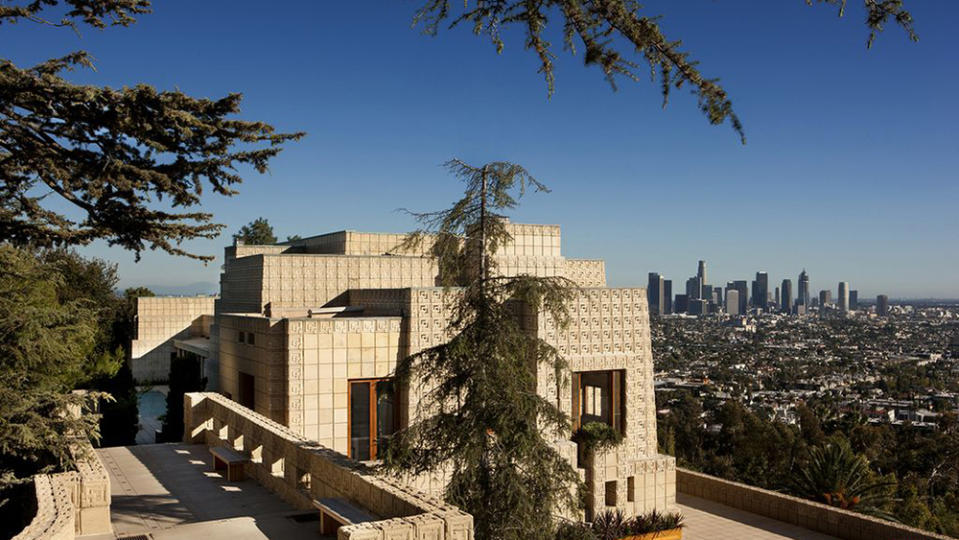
(301, 471)
(91, 492)
(74, 503)
(810, 515)
(55, 517)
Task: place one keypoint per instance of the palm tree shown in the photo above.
(835, 475)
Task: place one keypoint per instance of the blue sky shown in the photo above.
(850, 167)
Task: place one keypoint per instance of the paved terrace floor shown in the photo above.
(170, 492)
(714, 521)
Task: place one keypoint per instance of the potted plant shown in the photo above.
(613, 525)
(655, 524)
(593, 436)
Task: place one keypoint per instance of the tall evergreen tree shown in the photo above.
(258, 232)
(185, 376)
(46, 341)
(479, 417)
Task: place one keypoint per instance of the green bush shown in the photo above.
(613, 525)
(596, 436)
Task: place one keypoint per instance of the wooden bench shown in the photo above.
(229, 460)
(335, 513)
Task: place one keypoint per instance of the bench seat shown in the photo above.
(229, 460)
(335, 513)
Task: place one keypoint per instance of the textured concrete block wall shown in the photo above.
(586, 272)
(609, 330)
(160, 320)
(55, 518)
(72, 504)
(529, 240)
(264, 359)
(241, 286)
(91, 497)
(322, 356)
(318, 280)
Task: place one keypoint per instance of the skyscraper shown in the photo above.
(701, 274)
(804, 298)
(761, 290)
(825, 298)
(882, 305)
(681, 305)
(668, 295)
(707, 293)
(776, 297)
(743, 289)
(843, 296)
(694, 288)
(732, 302)
(698, 307)
(854, 300)
(655, 294)
(787, 296)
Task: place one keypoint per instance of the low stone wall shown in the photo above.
(55, 517)
(72, 504)
(806, 514)
(300, 471)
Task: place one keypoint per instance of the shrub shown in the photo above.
(610, 525)
(596, 436)
(569, 530)
(613, 525)
(654, 521)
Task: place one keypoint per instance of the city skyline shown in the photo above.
(377, 136)
(744, 294)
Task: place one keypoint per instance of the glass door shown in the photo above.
(360, 421)
(372, 417)
(385, 417)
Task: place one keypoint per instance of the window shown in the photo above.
(247, 390)
(250, 338)
(598, 396)
(241, 337)
(372, 417)
(610, 495)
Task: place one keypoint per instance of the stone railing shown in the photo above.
(301, 471)
(74, 503)
(55, 518)
(801, 512)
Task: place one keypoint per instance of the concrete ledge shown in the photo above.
(807, 514)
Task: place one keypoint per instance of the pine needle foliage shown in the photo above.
(258, 232)
(621, 37)
(480, 418)
(45, 344)
(130, 162)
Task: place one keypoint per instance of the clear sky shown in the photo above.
(850, 169)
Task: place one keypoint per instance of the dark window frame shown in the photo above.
(373, 420)
(616, 382)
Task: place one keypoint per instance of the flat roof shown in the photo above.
(196, 345)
